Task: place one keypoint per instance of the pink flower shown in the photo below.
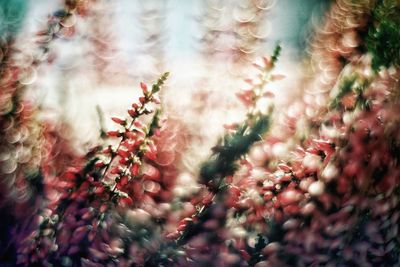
(144, 87)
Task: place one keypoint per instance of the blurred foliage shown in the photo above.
(383, 37)
(231, 148)
(236, 144)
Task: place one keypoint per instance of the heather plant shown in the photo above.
(87, 196)
(22, 135)
(123, 183)
(315, 183)
(323, 205)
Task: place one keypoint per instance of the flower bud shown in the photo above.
(144, 87)
(118, 121)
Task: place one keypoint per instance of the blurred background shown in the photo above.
(207, 45)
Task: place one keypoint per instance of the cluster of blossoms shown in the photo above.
(80, 204)
(26, 142)
(316, 185)
(335, 200)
